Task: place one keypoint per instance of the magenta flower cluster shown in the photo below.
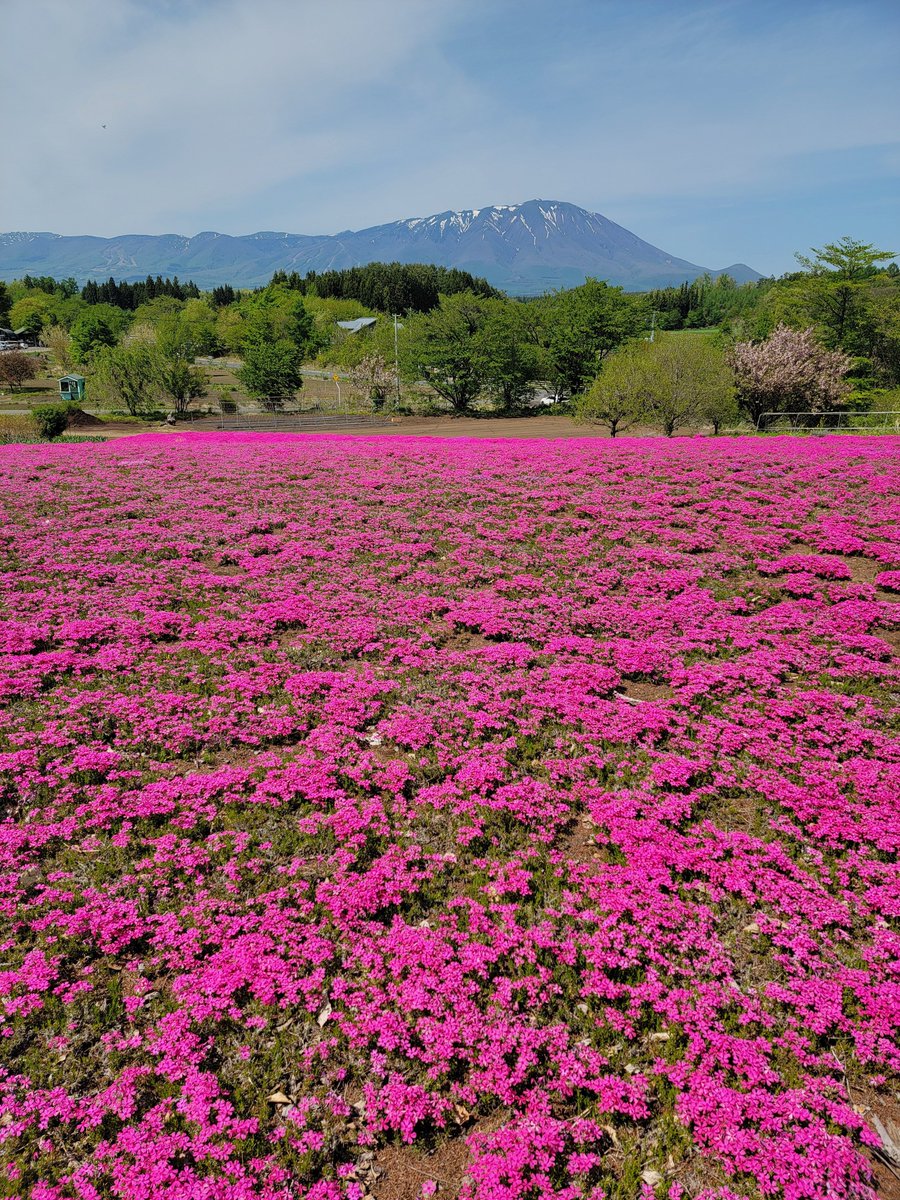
(398, 793)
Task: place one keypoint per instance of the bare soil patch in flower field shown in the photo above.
(540, 427)
(405, 1171)
(486, 817)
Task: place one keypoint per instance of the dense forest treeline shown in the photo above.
(383, 287)
(388, 287)
(118, 293)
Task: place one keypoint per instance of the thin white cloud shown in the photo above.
(319, 115)
(135, 121)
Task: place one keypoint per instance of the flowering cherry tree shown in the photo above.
(791, 369)
(375, 378)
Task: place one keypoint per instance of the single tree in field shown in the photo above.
(126, 374)
(375, 379)
(790, 371)
(441, 346)
(271, 371)
(618, 396)
(16, 368)
(274, 338)
(173, 360)
(507, 348)
(689, 376)
(719, 408)
(180, 381)
(579, 328)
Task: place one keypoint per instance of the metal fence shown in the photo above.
(829, 422)
(298, 422)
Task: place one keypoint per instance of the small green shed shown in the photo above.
(71, 387)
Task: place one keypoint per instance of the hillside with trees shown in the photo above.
(709, 353)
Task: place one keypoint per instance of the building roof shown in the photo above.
(358, 324)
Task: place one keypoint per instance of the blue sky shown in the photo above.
(741, 130)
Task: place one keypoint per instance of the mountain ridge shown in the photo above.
(522, 248)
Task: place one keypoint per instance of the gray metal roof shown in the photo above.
(358, 324)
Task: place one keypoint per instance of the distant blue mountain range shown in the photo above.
(524, 249)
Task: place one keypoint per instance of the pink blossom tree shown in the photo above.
(374, 378)
(790, 370)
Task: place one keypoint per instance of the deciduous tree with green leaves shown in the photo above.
(277, 314)
(126, 374)
(174, 352)
(441, 346)
(271, 371)
(687, 377)
(59, 342)
(579, 328)
(90, 332)
(674, 381)
(617, 399)
(32, 312)
(846, 259)
(834, 293)
(506, 347)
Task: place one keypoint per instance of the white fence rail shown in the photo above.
(829, 422)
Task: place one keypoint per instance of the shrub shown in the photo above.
(51, 420)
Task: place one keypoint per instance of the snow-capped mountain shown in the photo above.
(522, 248)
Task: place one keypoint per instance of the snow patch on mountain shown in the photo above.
(523, 248)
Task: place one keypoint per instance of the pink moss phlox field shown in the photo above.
(365, 793)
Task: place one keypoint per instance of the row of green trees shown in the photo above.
(681, 379)
(37, 303)
(158, 359)
(471, 346)
(835, 342)
(154, 364)
(706, 302)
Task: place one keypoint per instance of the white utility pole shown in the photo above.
(396, 359)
